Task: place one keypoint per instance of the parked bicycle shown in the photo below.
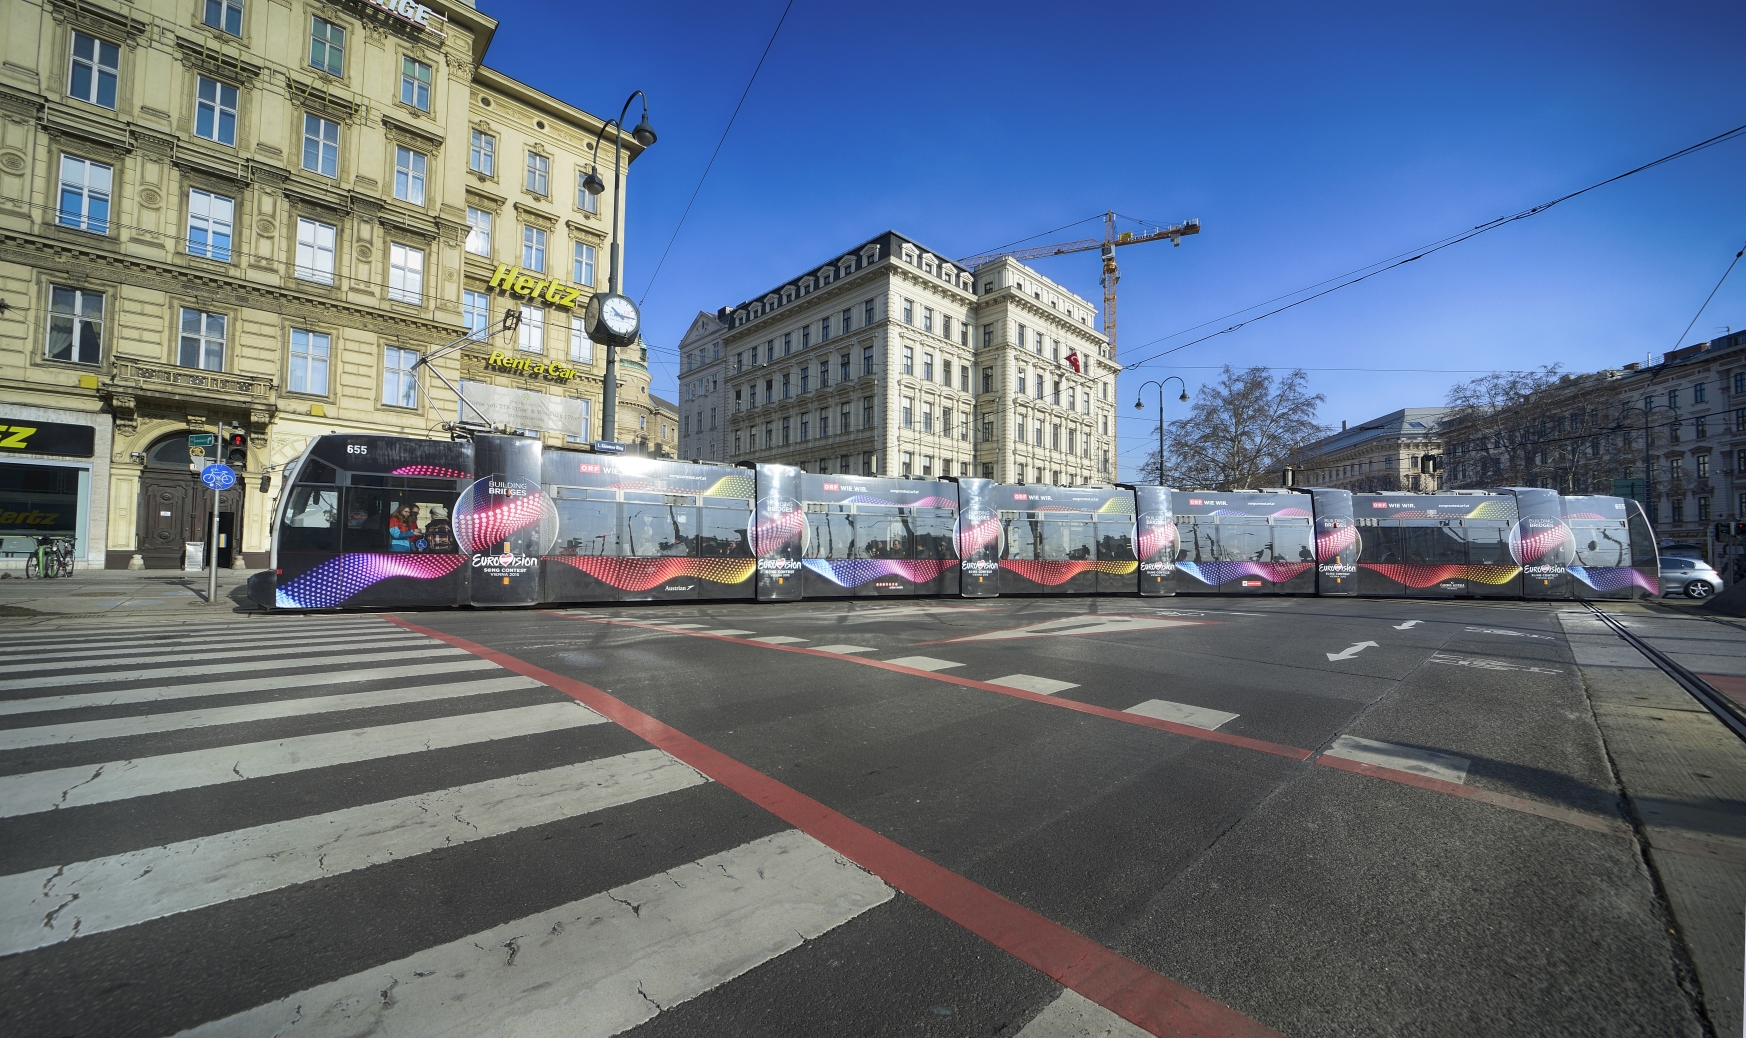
(53, 557)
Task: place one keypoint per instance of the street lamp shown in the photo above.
(613, 319)
(1652, 512)
(1140, 405)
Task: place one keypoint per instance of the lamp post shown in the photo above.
(616, 317)
(1651, 512)
(1140, 405)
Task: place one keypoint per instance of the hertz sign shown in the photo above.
(72, 441)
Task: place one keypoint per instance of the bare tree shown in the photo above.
(1544, 428)
(1240, 427)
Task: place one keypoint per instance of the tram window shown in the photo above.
(1068, 541)
(1488, 545)
(722, 534)
(1115, 541)
(399, 521)
(586, 527)
(884, 536)
(651, 531)
(1023, 539)
(830, 535)
(1642, 538)
(1601, 544)
(933, 535)
(317, 471)
(311, 520)
(1292, 543)
(1246, 542)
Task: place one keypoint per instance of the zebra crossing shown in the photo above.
(213, 785)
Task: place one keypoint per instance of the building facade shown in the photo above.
(891, 360)
(253, 220)
(1382, 454)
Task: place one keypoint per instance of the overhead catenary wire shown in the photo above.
(1711, 296)
(1401, 259)
(712, 155)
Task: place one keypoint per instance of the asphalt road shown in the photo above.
(1014, 816)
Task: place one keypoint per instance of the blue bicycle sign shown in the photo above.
(218, 477)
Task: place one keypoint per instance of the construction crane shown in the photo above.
(1108, 244)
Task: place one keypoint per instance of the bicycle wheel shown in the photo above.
(64, 564)
(33, 565)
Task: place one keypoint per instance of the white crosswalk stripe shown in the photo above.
(225, 651)
(159, 693)
(148, 884)
(1182, 713)
(149, 724)
(156, 673)
(597, 966)
(124, 779)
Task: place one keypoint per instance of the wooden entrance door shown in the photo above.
(175, 508)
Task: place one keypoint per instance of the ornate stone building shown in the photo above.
(253, 219)
(892, 360)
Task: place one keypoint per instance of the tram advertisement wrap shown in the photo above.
(1156, 527)
(504, 524)
(978, 539)
(1603, 563)
(1337, 543)
(1066, 540)
(1541, 544)
(639, 530)
(778, 532)
(1244, 542)
(870, 536)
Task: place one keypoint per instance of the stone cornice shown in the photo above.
(75, 263)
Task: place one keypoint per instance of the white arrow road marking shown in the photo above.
(1084, 624)
(1351, 651)
(1409, 625)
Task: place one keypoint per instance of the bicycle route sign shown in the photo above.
(218, 477)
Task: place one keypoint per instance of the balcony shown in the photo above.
(191, 390)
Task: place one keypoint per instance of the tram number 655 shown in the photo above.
(357, 448)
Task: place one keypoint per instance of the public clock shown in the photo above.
(612, 319)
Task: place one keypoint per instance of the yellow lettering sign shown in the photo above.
(517, 281)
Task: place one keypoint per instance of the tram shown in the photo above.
(382, 522)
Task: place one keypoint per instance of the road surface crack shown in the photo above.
(386, 995)
(48, 921)
(659, 1008)
(94, 777)
(514, 946)
(636, 909)
(57, 875)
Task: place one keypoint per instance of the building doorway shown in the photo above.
(176, 508)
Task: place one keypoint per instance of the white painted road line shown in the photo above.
(310, 659)
(123, 779)
(677, 627)
(1182, 713)
(196, 637)
(102, 648)
(1512, 634)
(1409, 625)
(226, 651)
(1412, 759)
(121, 727)
(777, 639)
(594, 967)
(1075, 1016)
(195, 690)
(923, 663)
(48, 906)
(1482, 663)
(1032, 683)
(844, 649)
(1075, 625)
(726, 632)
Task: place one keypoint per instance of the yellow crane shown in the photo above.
(1108, 243)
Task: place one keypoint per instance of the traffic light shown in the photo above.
(1430, 464)
(1725, 531)
(236, 450)
(1740, 529)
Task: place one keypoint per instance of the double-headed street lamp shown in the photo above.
(1140, 405)
(612, 319)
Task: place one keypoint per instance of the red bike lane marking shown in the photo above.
(1139, 995)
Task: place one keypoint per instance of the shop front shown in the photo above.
(54, 474)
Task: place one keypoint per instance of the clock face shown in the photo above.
(620, 315)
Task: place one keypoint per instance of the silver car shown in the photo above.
(1692, 578)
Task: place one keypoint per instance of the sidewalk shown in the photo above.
(1683, 775)
(136, 594)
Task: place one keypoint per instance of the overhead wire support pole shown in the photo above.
(511, 321)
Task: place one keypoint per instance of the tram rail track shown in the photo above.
(1720, 706)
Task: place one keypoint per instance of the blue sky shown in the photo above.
(1308, 140)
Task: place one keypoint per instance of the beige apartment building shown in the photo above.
(253, 218)
(892, 360)
(1382, 454)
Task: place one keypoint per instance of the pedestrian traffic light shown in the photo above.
(1725, 531)
(236, 450)
(1740, 529)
